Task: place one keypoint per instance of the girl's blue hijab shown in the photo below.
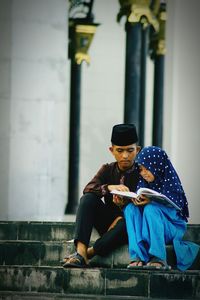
(166, 180)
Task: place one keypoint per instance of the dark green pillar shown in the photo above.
(81, 32)
(133, 73)
(159, 51)
(74, 141)
(158, 100)
(144, 53)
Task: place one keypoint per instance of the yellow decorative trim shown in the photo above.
(156, 7)
(138, 12)
(82, 38)
(85, 29)
(163, 16)
(161, 47)
(80, 57)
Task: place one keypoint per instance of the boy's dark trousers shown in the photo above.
(92, 212)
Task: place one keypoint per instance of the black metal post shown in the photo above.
(144, 51)
(159, 51)
(158, 100)
(133, 74)
(74, 143)
(81, 32)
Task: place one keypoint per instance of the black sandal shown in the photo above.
(130, 266)
(66, 257)
(75, 261)
(163, 264)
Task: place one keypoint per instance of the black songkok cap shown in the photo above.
(124, 134)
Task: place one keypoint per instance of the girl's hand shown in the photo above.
(140, 200)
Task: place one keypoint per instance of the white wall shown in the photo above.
(34, 102)
(5, 94)
(182, 96)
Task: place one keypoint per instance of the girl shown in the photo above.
(151, 225)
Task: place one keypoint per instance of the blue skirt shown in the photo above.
(151, 227)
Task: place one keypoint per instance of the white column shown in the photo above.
(36, 158)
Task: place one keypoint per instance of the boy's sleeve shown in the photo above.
(99, 183)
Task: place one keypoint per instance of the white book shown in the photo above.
(150, 194)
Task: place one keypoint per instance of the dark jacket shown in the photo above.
(110, 174)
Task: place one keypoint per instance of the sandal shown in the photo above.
(66, 257)
(139, 265)
(162, 264)
(75, 261)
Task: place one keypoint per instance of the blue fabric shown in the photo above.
(166, 180)
(152, 227)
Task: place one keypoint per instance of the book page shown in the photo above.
(157, 197)
(150, 194)
(124, 194)
(147, 191)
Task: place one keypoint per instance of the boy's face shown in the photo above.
(146, 174)
(125, 155)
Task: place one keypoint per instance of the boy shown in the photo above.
(96, 208)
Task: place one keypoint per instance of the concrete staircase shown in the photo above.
(30, 254)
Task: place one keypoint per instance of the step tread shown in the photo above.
(101, 281)
(54, 296)
(52, 252)
(35, 230)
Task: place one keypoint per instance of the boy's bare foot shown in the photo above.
(90, 252)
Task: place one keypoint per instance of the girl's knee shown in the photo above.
(151, 209)
(130, 209)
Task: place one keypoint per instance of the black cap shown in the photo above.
(124, 134)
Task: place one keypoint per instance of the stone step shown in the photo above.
(35, 253)
(41, 231)
(58, 231)
(32, 253)
(55, 296)
(101, 282)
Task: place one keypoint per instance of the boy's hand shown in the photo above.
(118, 187)
(140, 200)
(119, 201)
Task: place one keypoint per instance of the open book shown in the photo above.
(150, 194)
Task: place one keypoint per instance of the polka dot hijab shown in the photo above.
(166, 180)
